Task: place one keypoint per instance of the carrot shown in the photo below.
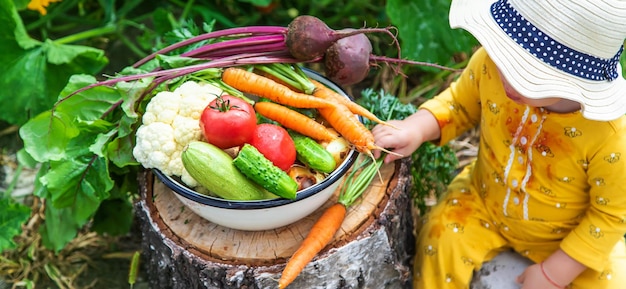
(320, 235)
(355, 132)
(324, 92)
(348, 126)
(294, 120)
(250, 82)
(329, 223)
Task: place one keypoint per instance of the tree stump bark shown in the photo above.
(373, 248)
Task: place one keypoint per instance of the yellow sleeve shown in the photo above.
(457, 108)
(604, 223)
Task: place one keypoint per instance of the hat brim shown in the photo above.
(531, 77)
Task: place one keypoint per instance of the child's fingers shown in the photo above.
(521, 277)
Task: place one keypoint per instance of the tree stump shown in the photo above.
(373, 248)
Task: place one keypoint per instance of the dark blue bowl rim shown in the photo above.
(334, 176)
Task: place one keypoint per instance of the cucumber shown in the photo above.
(313, 154)
(254, 165)
(213, 169)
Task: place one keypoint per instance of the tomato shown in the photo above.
(275, 144)
(228, 121)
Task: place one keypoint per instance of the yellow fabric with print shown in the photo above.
(542, 180)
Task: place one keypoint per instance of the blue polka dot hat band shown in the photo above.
(550, 50)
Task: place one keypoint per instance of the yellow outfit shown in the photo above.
(541, 181)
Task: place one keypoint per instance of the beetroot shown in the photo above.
(347, 61)
(308, 37)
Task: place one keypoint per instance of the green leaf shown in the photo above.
(21, 4)
(25, 159)
(76, 188)
(47, 136)
(168, 62)
(40, 190)
(259, 3)
(12, 216)
(113, 217)
(89, 105)
(34, 72)
(99, 147)
(120, 151)
(425, 33)
(76, 180)
(59, 228)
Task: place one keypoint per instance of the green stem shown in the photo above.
(53, 13)
(186, 10)
(136, 50)
(86, 34)
(356, 185)
(213, 78)
(290, 75)
(13, 184)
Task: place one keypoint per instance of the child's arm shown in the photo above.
(558, 271)
(562, 268)
(410, 133)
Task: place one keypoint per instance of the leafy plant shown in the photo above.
(12, 217)
(35, 71)
(425, 32)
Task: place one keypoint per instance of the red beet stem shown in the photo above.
(230, 51)
(237, 60)
(239, 31)
(260, 42)
(376, 58)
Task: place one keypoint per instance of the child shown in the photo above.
(549, 181)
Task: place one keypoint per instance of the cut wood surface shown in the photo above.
(258, 247)
(373, 248)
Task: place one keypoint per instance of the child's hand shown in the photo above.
(534, 278)
(401, 140)
(406, 135)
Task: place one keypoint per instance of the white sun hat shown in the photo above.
(554, 48)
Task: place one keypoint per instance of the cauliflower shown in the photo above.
(171, 121)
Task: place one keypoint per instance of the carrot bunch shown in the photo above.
(337, 110)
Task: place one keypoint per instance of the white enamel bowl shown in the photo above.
(263, 214)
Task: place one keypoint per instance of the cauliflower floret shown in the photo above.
(171, 121)
(163, 107)
(187, 179)
(186, 129)
(155, 146)
(195, 97)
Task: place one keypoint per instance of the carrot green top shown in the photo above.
(559, 174)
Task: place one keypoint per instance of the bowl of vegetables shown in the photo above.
(239, 187)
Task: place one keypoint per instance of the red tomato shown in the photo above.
(275, 144)
(228, 121)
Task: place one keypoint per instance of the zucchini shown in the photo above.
(313, 154)
(213, 169)
(254, 165)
